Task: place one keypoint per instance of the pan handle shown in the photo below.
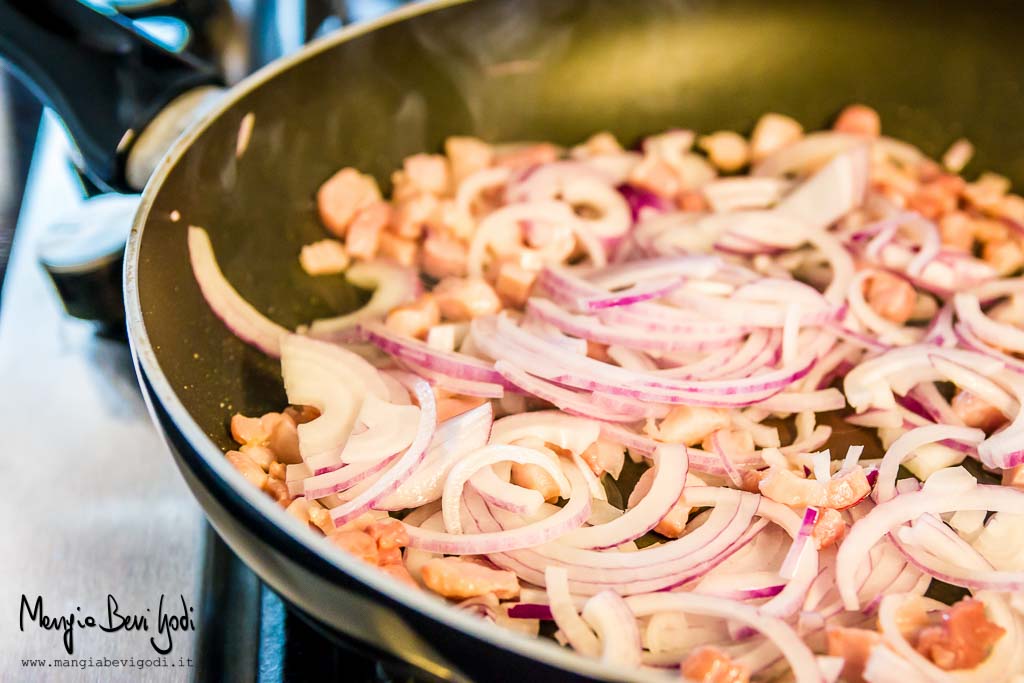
(107, 81)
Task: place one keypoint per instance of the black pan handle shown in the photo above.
(105, 78)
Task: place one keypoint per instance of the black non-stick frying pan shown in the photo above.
(372, 94)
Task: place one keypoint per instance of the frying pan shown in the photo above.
(371, 94)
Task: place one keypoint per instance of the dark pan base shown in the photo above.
(503, 70)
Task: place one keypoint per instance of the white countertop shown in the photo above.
(92, 503)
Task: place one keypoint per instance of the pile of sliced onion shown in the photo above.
(681, 337)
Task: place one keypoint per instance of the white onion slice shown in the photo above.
(670, 467)
(610, 617)
(575, 513)
(903, 508)
(563, 610)
(239, 315)
(404, 465)
(392, 285)
(801, 660)
(464, 470)
(319, 374)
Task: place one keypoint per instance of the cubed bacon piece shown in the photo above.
(459, 579)
(415, 319)
(514, 283)
(891, 297)
(398, 572)
(689, 425)
(388, 533)
(1014, 477)
(414, 215)
(299, 509)
(726, 149)
(326, 257)
(528, 155)
(443, 256)
(451, 406)
(710, 665)
(961, 638)
(957, 231)
(342, 196)
(1005, 256)
(358, 543)
(830, 528)
(466, 298)
(854, 645)
(859, 119)
(467, 155)
(840, 492)
(988, 191)
(604, 456)
(598, 144)
(976, 412)
(398, 249)
(937, 197)
(249, 469)
(655, 175)
(364, 232)
(732, 442)
(278, 490)
(535, 477)
(772, 133)
(261, 455)
(427, 173)
(692, 200)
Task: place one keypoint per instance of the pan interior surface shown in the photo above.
(508, 70)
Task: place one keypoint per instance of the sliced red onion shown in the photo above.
(572, 402)
(530, 611)
(977, 384)
(239, 315)
(832, 192)
(807, 154)
(344, 478)
(801, 660)
(452, 439)
(641, 200)
(463, 471)
(563, 610)
(903, 508)
(904, 447)
(457, 385)
(451, 364)
(529, 535)
(796, 550)
(616, 628)
(594, 330)
(991, 669)
(745, 192)
(819, 401)
(1000, 335)
(404, 466)
(644, 291)
(392, 285)
(570, 433)
(670, 467)
(389, 429)
(1005, 449)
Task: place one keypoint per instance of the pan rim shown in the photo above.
(144, 355)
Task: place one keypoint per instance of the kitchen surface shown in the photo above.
(99, 521)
